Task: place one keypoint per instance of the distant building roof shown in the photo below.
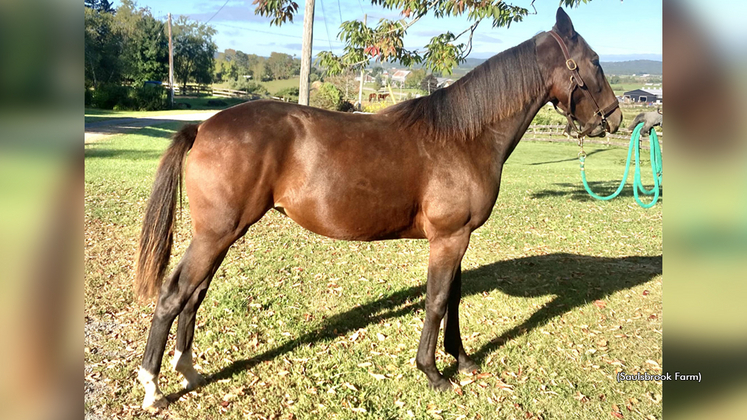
(648, 95)
(656, 92)
(368, 78)
(444, 81)
(400, 75)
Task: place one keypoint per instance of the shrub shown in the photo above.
(106, 96)
(375, 106)
(150, 98)
(289, 92)
(346, 106)
(120, 98)
(327, 96)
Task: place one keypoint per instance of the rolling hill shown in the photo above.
(610, 67)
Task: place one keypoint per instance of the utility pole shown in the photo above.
(363, 68)
(308, 33)
(171, 66)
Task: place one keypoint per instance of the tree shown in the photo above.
(129, 46)
(346, 83)
(103, 6)
(385, 42)
(150, 51)
(429, 84)
(314, 74)
(194, 51)
(232, 72)
(261, 72)
(412, 81)
(377, 84)
(102, 49)
(244, 64)
(283, 66)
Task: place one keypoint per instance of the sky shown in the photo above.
(616, 30)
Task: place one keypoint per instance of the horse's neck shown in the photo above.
(506, 133)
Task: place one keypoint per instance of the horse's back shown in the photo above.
(347, 176)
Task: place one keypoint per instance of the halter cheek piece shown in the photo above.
(577, 81)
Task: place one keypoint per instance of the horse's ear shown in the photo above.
(563, 24)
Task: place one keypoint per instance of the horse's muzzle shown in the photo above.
(614, 120)
(608, 125)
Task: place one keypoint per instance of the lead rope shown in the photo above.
(656, 168)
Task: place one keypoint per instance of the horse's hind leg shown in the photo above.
(452, 336)
(182, 361)
(195, 269)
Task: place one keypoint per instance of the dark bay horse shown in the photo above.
(428, 168)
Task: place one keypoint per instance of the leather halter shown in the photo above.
(577, 81)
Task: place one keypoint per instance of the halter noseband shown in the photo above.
(600, 114)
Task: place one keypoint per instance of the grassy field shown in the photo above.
(273, 86)
(560, 293)
(548, 116)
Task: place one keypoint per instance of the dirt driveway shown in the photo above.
(101, 129)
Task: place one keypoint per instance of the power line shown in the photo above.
(273, 33)
(326, 28)
(339, 9)
(216, 13)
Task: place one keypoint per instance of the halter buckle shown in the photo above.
(571, 64)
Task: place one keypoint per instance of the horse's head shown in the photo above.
(578, 86)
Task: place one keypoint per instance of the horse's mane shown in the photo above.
(495, 89)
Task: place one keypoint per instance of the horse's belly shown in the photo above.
(357, 220)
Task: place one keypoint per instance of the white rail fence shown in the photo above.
(554, 134)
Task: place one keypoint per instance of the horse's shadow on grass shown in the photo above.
(126, 154)
(577, 192)
(574, 280)
(593, 152)
(100, 149)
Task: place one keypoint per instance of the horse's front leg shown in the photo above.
(445, 258)
(452, 336)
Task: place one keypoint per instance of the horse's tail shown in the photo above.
(157, 235)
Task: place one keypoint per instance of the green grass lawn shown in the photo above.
(560, 293)
(273, 86)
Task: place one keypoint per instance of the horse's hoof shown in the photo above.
(468, 367)
(155, 404)
(196, 381)
(441, 385)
